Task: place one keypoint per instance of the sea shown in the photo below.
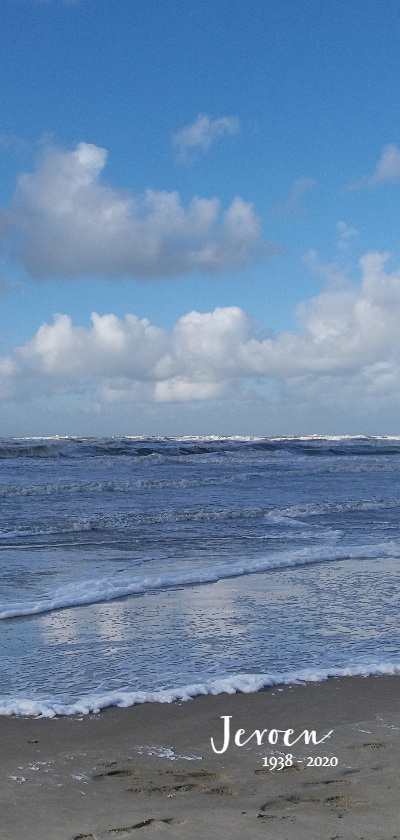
(138, 569)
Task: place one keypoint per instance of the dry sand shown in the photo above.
(110, 776)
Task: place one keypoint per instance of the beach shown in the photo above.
(150, 770)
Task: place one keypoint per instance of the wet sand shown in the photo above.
(150, 771)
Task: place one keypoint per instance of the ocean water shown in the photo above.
(137, 569)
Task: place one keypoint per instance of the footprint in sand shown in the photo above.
(263, 771)
(329, 782)
(199, 774)
(376, 745)
(85, 837)
(282, 803)
(130, 771)
(200, 781)
(187, 787)
(125, 832)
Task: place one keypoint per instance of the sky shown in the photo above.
(199, 223)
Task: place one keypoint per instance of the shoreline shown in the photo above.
(237, 684)
(126, 771)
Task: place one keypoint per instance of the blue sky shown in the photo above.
(218, 169)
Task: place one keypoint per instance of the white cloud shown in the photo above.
(201, 134)
(194, 362)
(347, 350)
(346, 233)
(63, 221)
(387, 169)
(333, 276)
(299, 188)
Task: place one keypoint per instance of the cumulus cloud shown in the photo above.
(200, 135)
(348, 343)
(64, 221)
(129, 357)
(387, 169)
(300, 187)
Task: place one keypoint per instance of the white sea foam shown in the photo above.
(246, 683)
(110, 588)
(166, 752)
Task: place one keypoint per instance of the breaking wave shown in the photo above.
(176, 447)
(247, 683)
(109, 588)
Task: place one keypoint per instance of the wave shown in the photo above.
(123, 522)
(113, 486)
(32, 451)
(178, 447)
(285, 516)
(348, 506)
(95, 591)
(141, 447)
(244, 683)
